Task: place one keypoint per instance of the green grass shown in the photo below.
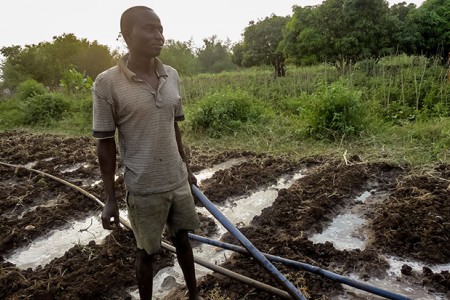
(403, 105)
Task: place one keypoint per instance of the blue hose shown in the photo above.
(306, 267)
(290, 288)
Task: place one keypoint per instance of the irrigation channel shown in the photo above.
(345, 232)
(333, 228)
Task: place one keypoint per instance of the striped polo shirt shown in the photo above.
(144, 119)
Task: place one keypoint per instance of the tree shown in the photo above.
(215, 56)
(180, 55)
(302, 42)
(405, 34)
(432, 22)
(261, 44)
(339, 31)
(46, 62)
(355, 29)
(11, 71)
(238, 54)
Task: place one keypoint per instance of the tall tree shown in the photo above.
(339, 31)
(46, 62)
(302, 42)
(432, 22)
(355, 29)
(261, 44)
(215, 56)
(405, 33)
(181, 56)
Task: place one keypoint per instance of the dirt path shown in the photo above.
(413, 222)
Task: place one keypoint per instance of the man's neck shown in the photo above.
(141, 65)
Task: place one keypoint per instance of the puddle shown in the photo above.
(346, 229)
(209, 172)
(345, 232)
(43, 250)
(74, 167)
(364, 196)
(33, 164)
(342, 232)
(393, 284)
(240, 211)
(21, 209)
(30, 165)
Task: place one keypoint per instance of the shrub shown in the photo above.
(29, 89)
(75, 82)
(11, 114)
(45, 108)
(224, 113)
(334, 111)
(294, 105)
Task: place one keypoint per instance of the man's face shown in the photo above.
(146, 38)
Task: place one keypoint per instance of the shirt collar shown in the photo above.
(160, 70)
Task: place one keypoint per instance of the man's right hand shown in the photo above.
(110, 215)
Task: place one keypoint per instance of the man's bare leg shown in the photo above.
(186, 261)
(144, 274)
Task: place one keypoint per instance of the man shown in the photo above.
(140, 97)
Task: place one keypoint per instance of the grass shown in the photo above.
(406, 108)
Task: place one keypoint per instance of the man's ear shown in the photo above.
(126, 36)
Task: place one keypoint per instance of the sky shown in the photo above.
(30, 22)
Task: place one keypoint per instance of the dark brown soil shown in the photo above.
(413, 222)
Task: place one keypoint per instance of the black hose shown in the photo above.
(273, 271)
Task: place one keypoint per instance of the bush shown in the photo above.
(29, 89)
(75, 82)
(224, 113)
(43, 109)
(11, 114)
(334, 111)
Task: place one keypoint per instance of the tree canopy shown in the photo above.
(46, 62)
(337, 32)
(261, 44)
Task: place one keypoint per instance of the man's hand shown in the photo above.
(110, 215)
(192, 179)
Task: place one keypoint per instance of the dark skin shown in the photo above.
(145, 42)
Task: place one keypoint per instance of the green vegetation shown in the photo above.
(224, 113)
(29, 89)
(334, 112)
(45, 109)
(397, 109)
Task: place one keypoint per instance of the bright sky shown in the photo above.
(31, 21)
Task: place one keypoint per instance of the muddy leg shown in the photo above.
(144, 274)
(186, 261)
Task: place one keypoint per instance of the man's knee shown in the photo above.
(142, 257)
(181, 239)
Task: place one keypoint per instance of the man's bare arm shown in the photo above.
(106, 152)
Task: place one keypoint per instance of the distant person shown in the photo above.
(140, 97)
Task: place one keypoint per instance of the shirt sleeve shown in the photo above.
(103, 121)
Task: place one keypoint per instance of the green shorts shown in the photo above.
(149, 213)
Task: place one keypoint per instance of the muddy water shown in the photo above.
(346, 233)
(55, 244)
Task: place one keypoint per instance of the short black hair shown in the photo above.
(128, 17)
